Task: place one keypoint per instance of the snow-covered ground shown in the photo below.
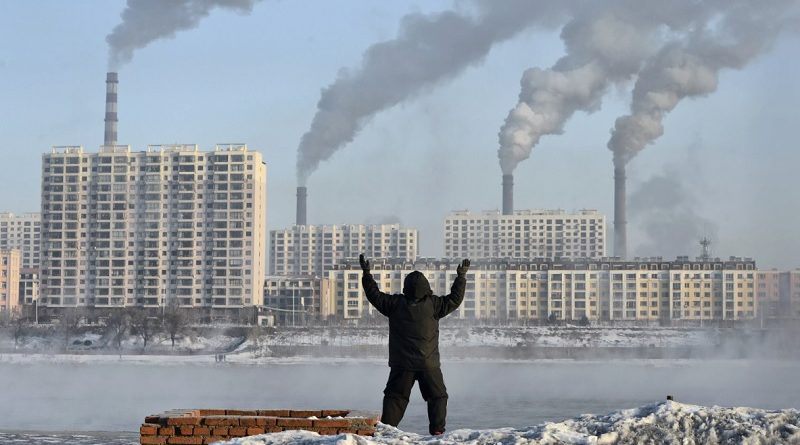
(667, 422)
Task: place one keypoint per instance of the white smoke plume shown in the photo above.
(428, 49)
(690, 66)
(145, 21)
(606, 44)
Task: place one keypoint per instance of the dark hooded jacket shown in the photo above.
(414, 319)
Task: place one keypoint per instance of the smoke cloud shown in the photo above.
(690, 66)
(428, 50)
(145, 21)
(606, 44)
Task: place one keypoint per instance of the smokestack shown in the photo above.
(508, 194)
(620, 231)
(110, 137)
(301, 206)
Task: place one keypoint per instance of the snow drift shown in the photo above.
(667, 422)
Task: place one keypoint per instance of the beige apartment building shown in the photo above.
(168, 225)
(9, 280)
(28, 285)
(779, 293)
(526, 234)
(21, 232)
(313, 249)
(646, 290)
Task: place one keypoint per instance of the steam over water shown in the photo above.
(85, 397)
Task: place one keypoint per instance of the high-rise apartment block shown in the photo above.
(644, 290)
(298, 300)
(168, 225)
(525, 234)
(778, 293)
(29, 285)
(9, 280)
(21, 232)
(314, 249)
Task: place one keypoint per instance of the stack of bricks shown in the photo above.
(202, 426)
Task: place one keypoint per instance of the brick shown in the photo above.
(327, 431)
(152, 440)
(369, 432)
(304, 413)
(274, 412)
(148, 429)
(166, 431)
(252, 431)
(220, 431)
(185, 440)
(212, 412)
(239, 412)
(183, 421)
(221, 421)
(332, 423)
(212, 439)
(248, 421)
(273, 429)
(334, 413)
(186, 430)
(295, 422)
(267, 421)
(347, 431)
(202, 431)
(152, 419)
(237, 431)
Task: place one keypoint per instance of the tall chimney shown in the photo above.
(301, 206)
(110, 137)
(508, 194)
(620, 230)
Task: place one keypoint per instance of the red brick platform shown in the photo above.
(202, 426)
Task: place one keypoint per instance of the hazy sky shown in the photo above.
(727, 165)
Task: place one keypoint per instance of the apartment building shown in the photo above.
(650, 290)
(28, 285)
(525, 234)
(170, 224)
(21, 232)
(313, 249)
(778, 293)
(298, 300)
(9, 280)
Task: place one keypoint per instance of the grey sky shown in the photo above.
(257, 79)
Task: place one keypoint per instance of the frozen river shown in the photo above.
(111, 397)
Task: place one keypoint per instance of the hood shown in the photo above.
(416, 287)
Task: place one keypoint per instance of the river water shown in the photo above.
(63, 403)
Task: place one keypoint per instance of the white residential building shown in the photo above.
(650, 290)
(21, 232)
(171, 224)
(298, 300)
(527, 234)
(314, 249)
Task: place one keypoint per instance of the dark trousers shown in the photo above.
(398, 389)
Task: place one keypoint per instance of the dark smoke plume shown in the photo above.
(429, 49)
(145, 21)
(690, 66)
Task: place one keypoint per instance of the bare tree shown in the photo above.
(144, 326)
(117, 325)
(69, 321)
(175, 322)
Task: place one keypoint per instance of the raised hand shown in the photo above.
(364, 263)
(462, 269)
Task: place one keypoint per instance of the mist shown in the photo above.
(64, 397)
(145, 21)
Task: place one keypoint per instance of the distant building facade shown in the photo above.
(171, 224)
(21, 232)
(9, 280)
(313, 249)
(28, 286)
(778, 293)
(650, 290)
(527, 234)
(298, 300)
